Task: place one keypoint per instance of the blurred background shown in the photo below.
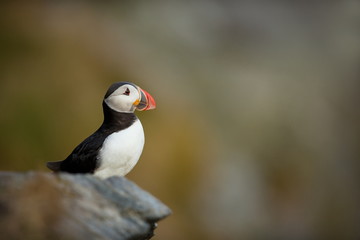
(256, 134)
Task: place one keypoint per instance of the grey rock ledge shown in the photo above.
(70, 206)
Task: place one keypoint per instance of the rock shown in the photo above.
(38, 205)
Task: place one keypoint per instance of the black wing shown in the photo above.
(83, 158)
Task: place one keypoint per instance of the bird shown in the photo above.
(116, 146)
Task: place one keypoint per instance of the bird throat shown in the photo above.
(117, 120)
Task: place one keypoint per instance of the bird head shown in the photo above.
(127, 97)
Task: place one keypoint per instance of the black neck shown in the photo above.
(118, 120)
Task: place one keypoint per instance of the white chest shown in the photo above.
(121, 151)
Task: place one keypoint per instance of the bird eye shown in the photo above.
(127, 92)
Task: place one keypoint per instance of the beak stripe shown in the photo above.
(147, 102)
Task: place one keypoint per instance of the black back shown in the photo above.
(84, 158)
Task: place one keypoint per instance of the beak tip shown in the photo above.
(148, 101)
(151, 103)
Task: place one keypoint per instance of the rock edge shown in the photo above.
(76, 206)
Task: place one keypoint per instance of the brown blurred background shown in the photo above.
(256, 134)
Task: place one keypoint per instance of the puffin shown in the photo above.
(114, 148)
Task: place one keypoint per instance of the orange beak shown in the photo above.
(147, 102)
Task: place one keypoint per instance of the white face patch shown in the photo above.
(122, 100)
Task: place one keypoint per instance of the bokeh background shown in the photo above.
(256, 134)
